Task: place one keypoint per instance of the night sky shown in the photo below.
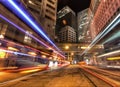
(75, 5)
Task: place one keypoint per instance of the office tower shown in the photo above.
(105, 13)
(94, 5)
(66, 17)
(67, 34)
(83, 22)
(44, 11)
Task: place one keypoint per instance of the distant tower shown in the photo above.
(67, 34)
(83, 22)
(44, 11)
(66, 17)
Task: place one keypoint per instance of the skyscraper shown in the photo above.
(66, 17)
(103, 16)
(67, 34)
(44, 11)
(83, 22)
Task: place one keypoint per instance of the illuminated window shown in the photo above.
(31, 2)
(64, 22)
(3, 28)
(2, 54)
(27, 37)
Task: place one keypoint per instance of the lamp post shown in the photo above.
(66, 48)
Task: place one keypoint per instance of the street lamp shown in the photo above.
(67, 47)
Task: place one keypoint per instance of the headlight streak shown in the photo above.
(107, 31)
(23, 31)
(22, 46)
(103, 33)
(24, 16)
(29, 34)
(16, 53)
(109, 54)
(113, 58)
(115, 35)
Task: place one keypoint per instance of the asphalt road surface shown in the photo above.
(70, 76)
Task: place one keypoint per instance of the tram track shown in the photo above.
(89, 79)
(95, 81)
(109, 78)
(108, 74)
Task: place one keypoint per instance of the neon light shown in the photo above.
(28, 34)
(24, 16)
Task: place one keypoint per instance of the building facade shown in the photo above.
(105, 13)
(67, 34)
(18, 41)
(83, 19)
(44, 11)
(66, 17)
(94, 5)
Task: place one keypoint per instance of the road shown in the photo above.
(110, 74)
(71, 76)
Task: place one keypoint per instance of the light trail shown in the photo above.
(21, 29)
(103, 33)
(24, 15)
